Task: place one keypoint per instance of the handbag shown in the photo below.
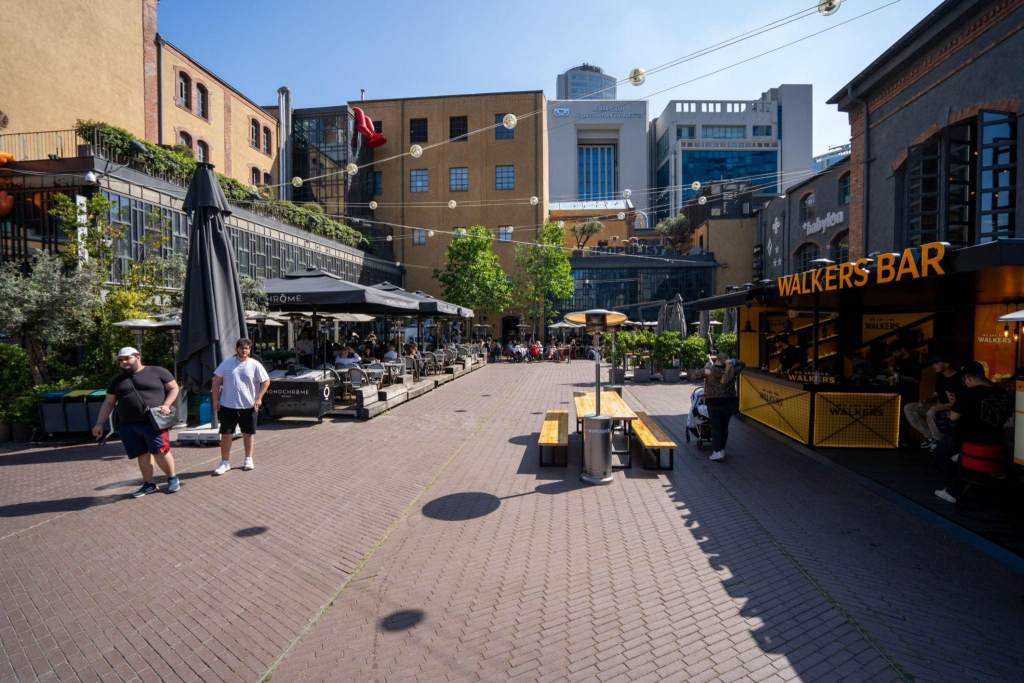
(157, 419)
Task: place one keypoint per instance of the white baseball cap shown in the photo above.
(128, 351)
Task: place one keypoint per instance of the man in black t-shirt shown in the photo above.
(791, 359)
(137, 389)
(978, 415)
(924, 416)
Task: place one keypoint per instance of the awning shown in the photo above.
(322, 292)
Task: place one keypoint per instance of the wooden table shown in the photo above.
(613, 406)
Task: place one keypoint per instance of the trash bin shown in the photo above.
(51, 412)
(76, 411)
(597, 449)
(199, 409)
(93, 402)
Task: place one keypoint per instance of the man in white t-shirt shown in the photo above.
(239, 383)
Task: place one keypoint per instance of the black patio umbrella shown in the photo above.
(212, 314)
(321, 292)
(427, 304)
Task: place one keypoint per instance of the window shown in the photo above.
(202, 151)
(378, 127)
(597, 172)
(504, 177)
(202, 99)
(997, 175)
(500, 131)
(841, 247)
(255, 176)
(266, 140)
(723, 132)
(458, 179)
(803, 257)
(418, 181)
(960, 185)
(376, 183)
(844, 189)
(763, 131)
(185, 139)
(417, 130)
(458, 128)
(686, 132)
(419, 236)
(807, 207)
(254, 133)
(504, 233)
(184, 91)
(923, 193)
(268, 179)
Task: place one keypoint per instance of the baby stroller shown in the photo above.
(697, 422)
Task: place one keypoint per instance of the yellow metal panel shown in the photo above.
(854, 420)
(783, 408)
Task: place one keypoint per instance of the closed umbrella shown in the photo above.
(212, 316)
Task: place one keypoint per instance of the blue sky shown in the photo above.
(326, 50)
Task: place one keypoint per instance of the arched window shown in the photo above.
(202, 151)
(807, 207)
(266, 140)
(841, 247)
(185, 139)
(803, 257)
(254, 133)
(202, 101)
(267, 180)
(255, 176)
(184, 90)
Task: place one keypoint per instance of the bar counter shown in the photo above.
(828, 415)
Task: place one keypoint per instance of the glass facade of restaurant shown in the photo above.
(613, 288)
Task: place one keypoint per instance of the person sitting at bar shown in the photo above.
(863, 368)
(791, 359)
(924, 416)
(304, 349)
(977, 416)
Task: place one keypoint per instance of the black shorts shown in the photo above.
(243, 418)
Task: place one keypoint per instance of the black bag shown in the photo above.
(157, 419)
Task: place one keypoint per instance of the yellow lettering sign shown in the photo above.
(848, 275)
(886, 269)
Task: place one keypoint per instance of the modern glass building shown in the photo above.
(597, 172)
(585, 82)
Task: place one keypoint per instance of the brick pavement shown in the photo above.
(473, 564)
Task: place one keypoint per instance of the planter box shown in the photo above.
(5, 432)
(21, 432)
(618, 376)
(670, 374)
(642, 375)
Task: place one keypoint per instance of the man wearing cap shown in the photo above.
(137, 389)
(239, 383)
(922, 415)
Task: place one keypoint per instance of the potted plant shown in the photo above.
(15, 379)
(694, 355)
(667, 348)
(623, 346)
(23, 414)
(643, 341)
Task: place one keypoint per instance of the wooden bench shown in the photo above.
(654, 440)
(554, 435)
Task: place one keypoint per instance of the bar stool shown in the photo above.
(982, 465)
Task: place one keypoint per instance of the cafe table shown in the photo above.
(613, 406)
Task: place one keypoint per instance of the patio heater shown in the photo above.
(597, 428)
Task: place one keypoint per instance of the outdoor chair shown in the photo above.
(375, 372)
(439, 359)
(412, 368)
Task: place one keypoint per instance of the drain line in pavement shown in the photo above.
(379, 543)
(796, 563)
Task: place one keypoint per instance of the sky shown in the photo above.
(326, 50)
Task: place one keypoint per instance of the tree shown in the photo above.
(676, 229)
(53, 305)
(472, 275)
(582, 232)
(543, 272)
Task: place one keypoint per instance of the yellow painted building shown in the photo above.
(732, 242)
(616, 232)
(104, 60)
(491, 176)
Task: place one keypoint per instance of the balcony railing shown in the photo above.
(52, 144)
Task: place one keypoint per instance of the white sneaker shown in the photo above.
(248, 465)
(956, 458)
(718, 455)
(223, 467)
(941, 493)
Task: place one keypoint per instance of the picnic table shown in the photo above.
(613, 406)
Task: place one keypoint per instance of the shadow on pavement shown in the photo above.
(459, 507)
(250, 531)
(42, 507)
(72, 453)
(402, 620)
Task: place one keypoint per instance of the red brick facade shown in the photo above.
(149, 60)
(228, 96)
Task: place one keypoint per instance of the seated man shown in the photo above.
(923, 415)
(348, 357)
(977, 416)
(391, 354)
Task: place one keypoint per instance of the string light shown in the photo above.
(416, 151)
(296, 182)
(452, 204)
(561, 224)
(351, 169)
(373, 205)
(627, 193)
(509, 121)
(534, 201)
(695, 185)
(430, 233)
(637, 76)
(621, 215)
(703, 200)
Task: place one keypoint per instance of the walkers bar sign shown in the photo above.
(912, 264)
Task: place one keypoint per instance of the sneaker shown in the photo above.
(248, 465)
(944, 495)
(927, 444)
(173, 484)
(718, 455)
(955, 458)
(933, 445)
(148, 487)
(223, 467)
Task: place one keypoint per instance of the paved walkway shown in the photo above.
(426, 544)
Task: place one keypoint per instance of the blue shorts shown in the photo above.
(141, 437)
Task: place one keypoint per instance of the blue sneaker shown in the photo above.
(148, 487)
(173, 484)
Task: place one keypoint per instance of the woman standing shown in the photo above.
(720, 397)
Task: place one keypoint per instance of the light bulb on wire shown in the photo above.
(452, 204)
(534, 201)
(373, 206)
(351, 169)
(509, 121)
(627, 193)
(296, 182)
(637, 76)
(416, 151)
(1006, 331)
